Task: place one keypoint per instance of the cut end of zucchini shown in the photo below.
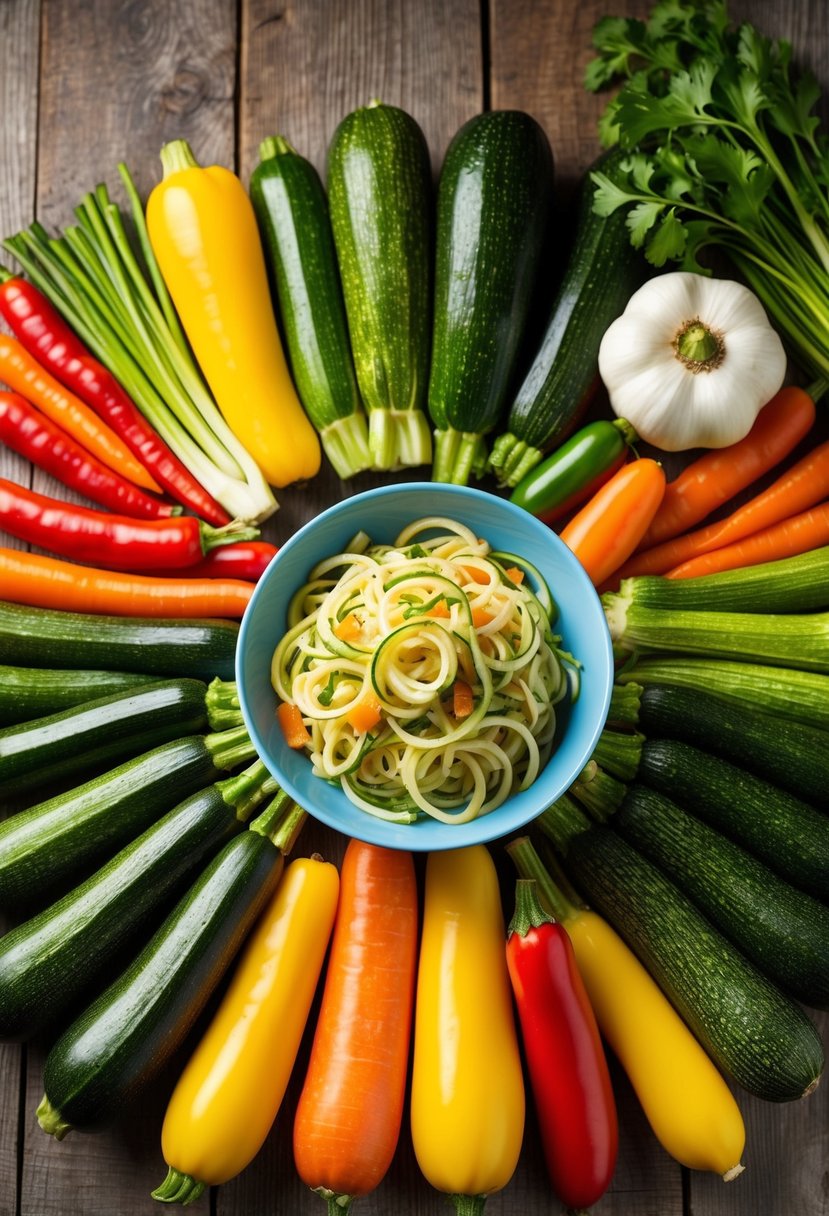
(733, 1173)
(178, 1188)
(51, 1120)
(458, 454)
(511, 459)
(346, 445)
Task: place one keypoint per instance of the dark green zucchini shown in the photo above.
(292, 212)
(602, 273)
(379, 193)
(31, 692)
(787, 753)
(494, 201)
(45, 846)
(787, 833)
(784, 931)
(99, 733)
(45, 637)
(48, 961)
(129, 1032)
(752, 1031)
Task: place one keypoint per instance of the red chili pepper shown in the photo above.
(41, 330)
(566, 1061)
(32, 435)
(247, 560)
(113, 542)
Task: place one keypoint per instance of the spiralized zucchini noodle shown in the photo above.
(426, 672)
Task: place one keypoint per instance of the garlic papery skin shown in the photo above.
(691, 361)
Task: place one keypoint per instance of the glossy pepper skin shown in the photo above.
(205, 238)
(232, 1087)
(32, 435)
(566, 1062)
(114, 542)
(41, 330)
(574, 471)
(467, 1102)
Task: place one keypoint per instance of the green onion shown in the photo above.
(792, 584)
(124, 316)
(800, 695)
(797, 640)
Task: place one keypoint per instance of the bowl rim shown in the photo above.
(484, 828)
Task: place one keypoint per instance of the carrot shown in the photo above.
(349, 1113)
(348, 628)
(608, 528)
(707, 483)
(364, 714)
(798, 534)
(25, 376)
(462, 702)
(47, 582)
(293, 728)
(803, 485)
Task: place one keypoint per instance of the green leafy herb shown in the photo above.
(722, 150)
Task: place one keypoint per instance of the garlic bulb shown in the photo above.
(691, 361)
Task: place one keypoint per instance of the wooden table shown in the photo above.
(85, 84)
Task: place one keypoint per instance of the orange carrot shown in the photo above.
(799, 534)
(293, 728)
(25, 376)
(365, 713)
(717, 476)
(349, 1113)
(608, 528)
(47, 582)
(348, 628)
(803, 485)
(462, 702)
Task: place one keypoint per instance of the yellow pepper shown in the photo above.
(467, 1103)
(689, 1106)
(231, 1089)
(205, 239)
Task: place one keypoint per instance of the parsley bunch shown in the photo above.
(723, 150)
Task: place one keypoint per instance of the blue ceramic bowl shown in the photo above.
(383, 513)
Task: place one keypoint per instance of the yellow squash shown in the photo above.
(467, 1105)
(689, 1106)
(204, 236)
(230, 1091)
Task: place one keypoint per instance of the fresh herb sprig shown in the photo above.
(724, 151)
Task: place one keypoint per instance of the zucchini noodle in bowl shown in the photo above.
(426, 673)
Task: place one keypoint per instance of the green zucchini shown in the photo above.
(789, 754)
(752, 1031)
(292, 211)
(99, 732)
(379, 193)
(123, 1039)
(784, 931)
(46, 637)
(50, 960)
(494, 201)
(54, 842)
(602, 273)
(787, 833)
(31, 692)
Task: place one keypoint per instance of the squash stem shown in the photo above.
(458, 454)
(345, 442)
(178, 1188)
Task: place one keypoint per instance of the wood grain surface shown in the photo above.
(86, 84)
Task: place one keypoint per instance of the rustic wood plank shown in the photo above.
(117, 81)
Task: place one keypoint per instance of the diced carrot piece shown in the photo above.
(475, 574)
(349, 628)
(293, 728)
(481, 617)
(462, 702)
(365, 714)
(515, 575)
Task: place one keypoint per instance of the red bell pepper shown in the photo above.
(41, 330)
(565, 1059)
(112, 542)
(32, 435)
